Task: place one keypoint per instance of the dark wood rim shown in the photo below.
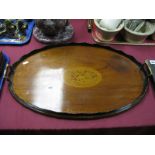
(81, 116)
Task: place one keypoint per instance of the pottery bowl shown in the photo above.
(138, 37)
(105, 34)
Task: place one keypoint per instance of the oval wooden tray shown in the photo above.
(78, 81)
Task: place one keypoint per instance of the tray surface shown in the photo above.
(78, 81)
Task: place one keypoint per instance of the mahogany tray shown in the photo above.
(78, 81)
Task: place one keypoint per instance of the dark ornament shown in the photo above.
(53, 30)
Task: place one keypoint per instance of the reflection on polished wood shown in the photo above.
(78, 79)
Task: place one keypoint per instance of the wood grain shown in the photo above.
(56, 80)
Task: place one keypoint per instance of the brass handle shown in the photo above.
(6, 72)
(147, 68)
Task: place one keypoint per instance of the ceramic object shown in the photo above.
(105, 34)
(138, 37)
(53, 31)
